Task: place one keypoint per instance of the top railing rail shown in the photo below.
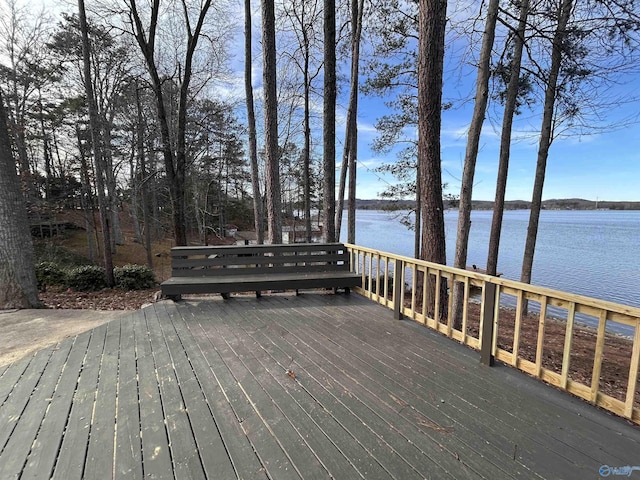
(587, 346)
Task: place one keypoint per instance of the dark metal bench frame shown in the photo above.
(256, 268)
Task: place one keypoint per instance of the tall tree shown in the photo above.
(329, 121)
(563, 15)
(349, 156)
(430, 70)
(274, 201)
(175, 160)
(473, 141)
(23, 78)
(251, 126)
(96, 141)
(18, 287)
(510, 104)
(305, 19)
(110, 68)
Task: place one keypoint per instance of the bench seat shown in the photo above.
(259, 282)
(257, 268)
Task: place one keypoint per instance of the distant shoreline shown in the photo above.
(554, 204)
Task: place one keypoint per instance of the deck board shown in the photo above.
(128, 447)
(71, 457)
(289, 387)
(44, 451)
(551, 436)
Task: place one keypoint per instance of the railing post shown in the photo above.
(398, 294)
(488, 303)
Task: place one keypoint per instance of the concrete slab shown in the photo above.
(23, 332)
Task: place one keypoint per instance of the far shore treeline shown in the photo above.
(554, 204)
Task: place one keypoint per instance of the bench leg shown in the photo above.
(297, 293)
(347, 290)
(225, 296)
(258, 294)
(175, 298)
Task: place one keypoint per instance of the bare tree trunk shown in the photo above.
(135, 193)
(111, 184)
(430, 70)
(329, 121)
(18, 285)
(505, 140)
(175, 165)
(87, 198)
(146, 220)
(350, 151)
(306, 163)
(258, 210)
(274, 201)
(546, 136)
(466, 190)
(97, 150)
(417, 231)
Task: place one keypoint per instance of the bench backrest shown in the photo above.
(253, 259)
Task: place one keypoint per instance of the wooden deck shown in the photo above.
(285, 387)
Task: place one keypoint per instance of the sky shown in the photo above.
(602, 166)
(599, 166)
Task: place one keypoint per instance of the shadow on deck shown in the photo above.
(314, 386)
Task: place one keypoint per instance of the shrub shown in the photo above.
(64, 257)
(134, 277)
(86, 278)
(50, 273)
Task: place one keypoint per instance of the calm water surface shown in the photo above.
(592, 253)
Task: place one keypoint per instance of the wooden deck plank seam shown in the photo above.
(312, 395)
(264, 407)
(181, 441)
(127, 428)
(16, 401)
(196, 358)
(445, 385)
(389, 426)
(73, 447)
(208, 352)
(154, 440)
(29, 420)
(296, 331)
(510, 396)
(100, 455)
(46, 447)
(277, 378)
(204, 439)
(245, 418)
(398, 376)
(407, 406)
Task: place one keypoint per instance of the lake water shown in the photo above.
(593, 252)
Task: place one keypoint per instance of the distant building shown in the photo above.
(290, 234)
(298, 234)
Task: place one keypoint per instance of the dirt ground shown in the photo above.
(27, 331)
(67, 314)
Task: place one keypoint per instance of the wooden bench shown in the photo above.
(256, 268)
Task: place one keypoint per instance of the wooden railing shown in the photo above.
(588, 347)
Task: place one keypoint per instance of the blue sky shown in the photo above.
(603, 166)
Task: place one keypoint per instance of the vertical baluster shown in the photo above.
(540, 345)
(633, 374)
(436, 311)
(516, 329)
(414, 285)
(597, 359)
(465, 310)
(568, 341)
